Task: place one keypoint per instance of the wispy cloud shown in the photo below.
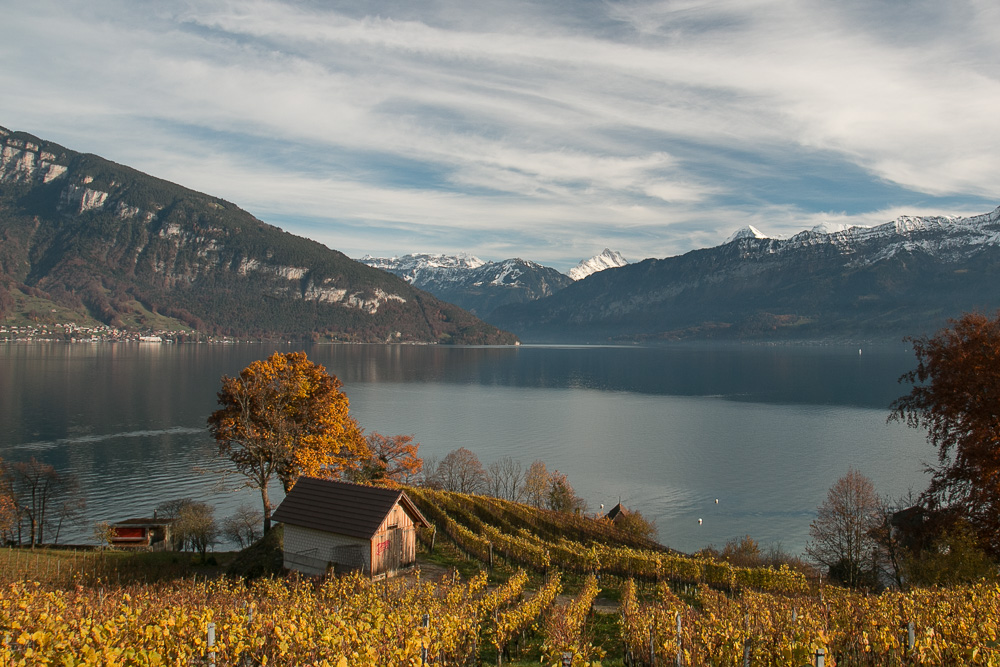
(545, 130)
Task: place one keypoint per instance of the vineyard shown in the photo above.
(488, 528)
(941, 627)
(554, 595)
(410, 621)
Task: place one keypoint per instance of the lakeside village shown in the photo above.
(73, 333)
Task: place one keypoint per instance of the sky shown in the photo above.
(543, 130)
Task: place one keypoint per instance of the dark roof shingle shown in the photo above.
(342, 508)
(616, 511)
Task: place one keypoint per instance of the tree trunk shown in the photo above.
(267, 508)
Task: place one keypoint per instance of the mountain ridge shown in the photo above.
(471, 283)
(904, 277)
(98, 238)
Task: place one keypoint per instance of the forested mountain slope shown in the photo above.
(103, 240)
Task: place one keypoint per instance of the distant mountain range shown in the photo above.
(905, 277)
(481, 287)
(82, 238)
(85, 238)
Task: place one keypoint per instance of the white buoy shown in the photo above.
(699, 522)
(716, 501)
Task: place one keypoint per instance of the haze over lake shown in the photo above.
(765, 429)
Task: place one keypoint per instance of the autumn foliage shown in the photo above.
(284, 417)
(956, 397)
(390, 460)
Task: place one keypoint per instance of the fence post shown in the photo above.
(820, 657)
(746, 652)
(211, 644)
(910, 638)
(680, 652)
(423, 649)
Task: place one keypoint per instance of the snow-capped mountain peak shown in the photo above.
(748, 232)
(413, 263)
(609, 259)
(953, 236)
(471, 283)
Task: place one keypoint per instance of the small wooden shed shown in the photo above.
(143, 533)
(338, 526)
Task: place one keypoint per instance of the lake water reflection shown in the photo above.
(766, 430)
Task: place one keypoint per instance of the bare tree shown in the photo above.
(37, 491)
(844, 536)
(428, 475)
(536, 484)
(460, 470)
(505, 479)
(69, 507)
(170, 509)
(9, 518)
(194, 523)
(243, 526)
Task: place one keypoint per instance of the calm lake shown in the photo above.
(765, 430)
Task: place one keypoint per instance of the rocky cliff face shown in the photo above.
(94, 233)
(22, 161)
(182, 254)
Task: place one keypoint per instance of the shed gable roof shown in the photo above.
(616, 511)
(342, 508)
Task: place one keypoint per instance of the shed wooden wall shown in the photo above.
(391, 552)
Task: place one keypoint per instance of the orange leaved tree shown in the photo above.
(956, 397)
(283, 417)
(391, 460)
